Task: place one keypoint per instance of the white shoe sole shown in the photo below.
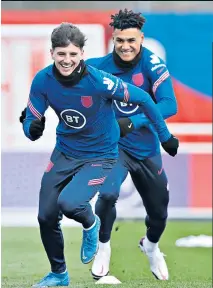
(96, 277)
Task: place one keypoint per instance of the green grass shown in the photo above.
(24, 261)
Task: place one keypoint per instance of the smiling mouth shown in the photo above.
(67, 66)
(126, 52)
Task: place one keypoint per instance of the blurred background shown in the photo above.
(179, 32)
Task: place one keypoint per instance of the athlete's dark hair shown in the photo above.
(65, 34)
(127, 19)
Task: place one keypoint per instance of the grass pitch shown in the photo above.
(24, 261)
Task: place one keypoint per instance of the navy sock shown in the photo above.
(107, 214)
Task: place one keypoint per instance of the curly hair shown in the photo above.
(127, 19)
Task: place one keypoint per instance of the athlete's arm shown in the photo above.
(33, 124)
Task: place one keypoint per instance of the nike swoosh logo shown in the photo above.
(130, 125)
(83, 256)
(102, 270)
(160, 171)
(79, 70)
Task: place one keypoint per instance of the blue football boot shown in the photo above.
(53, 279)
(90, 241)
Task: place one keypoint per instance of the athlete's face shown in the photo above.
(67, 58)
(127, 42)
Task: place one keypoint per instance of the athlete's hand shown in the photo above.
(37, 127)
(126, 126)
(23, 115)
(171, 145)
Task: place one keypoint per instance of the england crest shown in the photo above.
(86, 101)
(138, 79)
